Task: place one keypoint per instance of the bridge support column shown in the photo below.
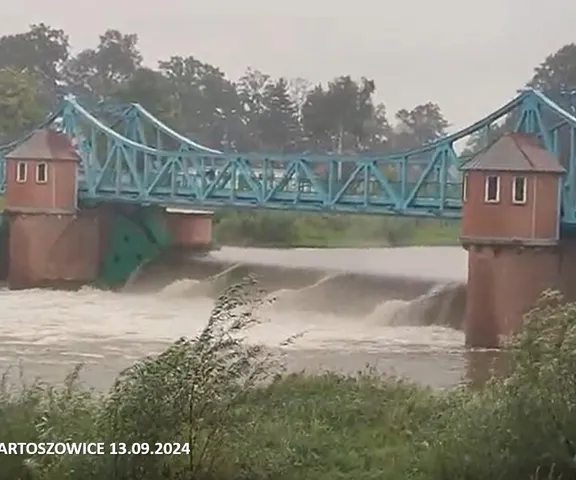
(53, 250)
(51, 242)
(190, 230)
(131, 238)
(504, 282)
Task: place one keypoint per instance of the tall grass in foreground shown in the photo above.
(244, 419)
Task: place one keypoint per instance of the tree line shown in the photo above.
(254, 113)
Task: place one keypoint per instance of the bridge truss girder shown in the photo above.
(118, 164)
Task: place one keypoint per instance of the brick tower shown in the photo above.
(510, 228)
(50, 240)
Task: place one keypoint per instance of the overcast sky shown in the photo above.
(470, 57)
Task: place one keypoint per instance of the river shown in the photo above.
(398, 310)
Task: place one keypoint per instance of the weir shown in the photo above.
(86, 204)
(301, 291)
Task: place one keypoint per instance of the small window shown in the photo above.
(492, 189)
(519, 190)
(21, 172)
(41, 173)
(465, 187)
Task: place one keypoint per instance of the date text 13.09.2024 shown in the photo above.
(94, 448)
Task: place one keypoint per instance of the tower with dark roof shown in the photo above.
(51, 241)
(41, 174)
(510, 227)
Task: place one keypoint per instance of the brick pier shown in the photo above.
(53, 240)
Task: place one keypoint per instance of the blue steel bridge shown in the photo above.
(129, 156)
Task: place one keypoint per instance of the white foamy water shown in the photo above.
(49, 331)
(448, 263)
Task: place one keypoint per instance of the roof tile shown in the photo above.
(45, 145)
(515, 152)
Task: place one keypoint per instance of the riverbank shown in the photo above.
(243, 419)
(315, 230)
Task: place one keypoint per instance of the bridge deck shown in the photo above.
(124, 166)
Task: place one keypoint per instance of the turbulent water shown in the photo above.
(399, 310)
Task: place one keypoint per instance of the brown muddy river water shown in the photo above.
(398, 310)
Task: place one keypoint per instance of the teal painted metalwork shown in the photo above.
(128, 156)
(135, 239)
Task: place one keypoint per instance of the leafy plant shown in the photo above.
(243, 419)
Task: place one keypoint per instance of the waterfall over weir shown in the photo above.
(398, 310)
(382, 299)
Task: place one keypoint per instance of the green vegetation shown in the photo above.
(19, 108)
(290, 229)
(245, 420)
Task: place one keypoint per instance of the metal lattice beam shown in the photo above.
(132, 157)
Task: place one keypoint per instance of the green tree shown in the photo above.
(278, 122)
(336, 119)
(378, 131)
(557, 71)
(150, 89)
(100, 71)
(42, 52)
(252, 88)
(299, 89)
(316, 121)
(20, 109)
(207, 103)
(416, 127)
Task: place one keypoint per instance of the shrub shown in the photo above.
(521, 423)
(189, 392)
